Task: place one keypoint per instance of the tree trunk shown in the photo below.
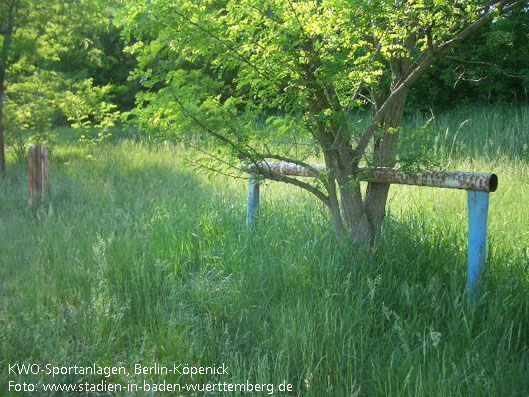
(4, 58)
(347, 214)
(361, 219)
(385, 154)
(385, 147)
(334, 205)
(2, 146)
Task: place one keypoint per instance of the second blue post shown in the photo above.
(253, 200)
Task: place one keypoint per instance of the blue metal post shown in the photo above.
(478, 208)
(253, 200)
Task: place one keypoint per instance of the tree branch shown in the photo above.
(229, 47)
(296, 182)
(215, 170)
(206, 128)
(425, 60)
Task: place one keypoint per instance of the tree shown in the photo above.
(217, 67)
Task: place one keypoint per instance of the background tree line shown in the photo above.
(62, 62)
(491, 67)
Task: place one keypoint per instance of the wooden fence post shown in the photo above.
(38, 174)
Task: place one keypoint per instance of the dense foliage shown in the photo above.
(59, 50)
(490, 67)
(301, 69)
(62, 62)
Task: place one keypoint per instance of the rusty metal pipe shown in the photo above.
(283, 168)
(449, 180)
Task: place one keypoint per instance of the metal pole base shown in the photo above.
(253, 201)
(478, 208)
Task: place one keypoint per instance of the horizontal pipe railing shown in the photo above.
(441, 179)
(478, 187)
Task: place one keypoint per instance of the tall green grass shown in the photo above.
(486, 133)
(137, 259)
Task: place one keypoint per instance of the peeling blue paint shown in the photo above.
(478, 208)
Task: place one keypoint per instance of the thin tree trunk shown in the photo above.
(4, 58)
(351, 217)
(2, 146)
(334, 205)
(354, 214)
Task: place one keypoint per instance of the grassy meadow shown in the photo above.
(139, 259)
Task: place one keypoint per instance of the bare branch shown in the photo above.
(425, 60)
(215, 170)
(206, 128)
(209, 154)
(494, 66)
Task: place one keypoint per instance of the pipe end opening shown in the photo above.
(493, 182)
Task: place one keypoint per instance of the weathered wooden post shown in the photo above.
(253, 200)
(38, 174)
